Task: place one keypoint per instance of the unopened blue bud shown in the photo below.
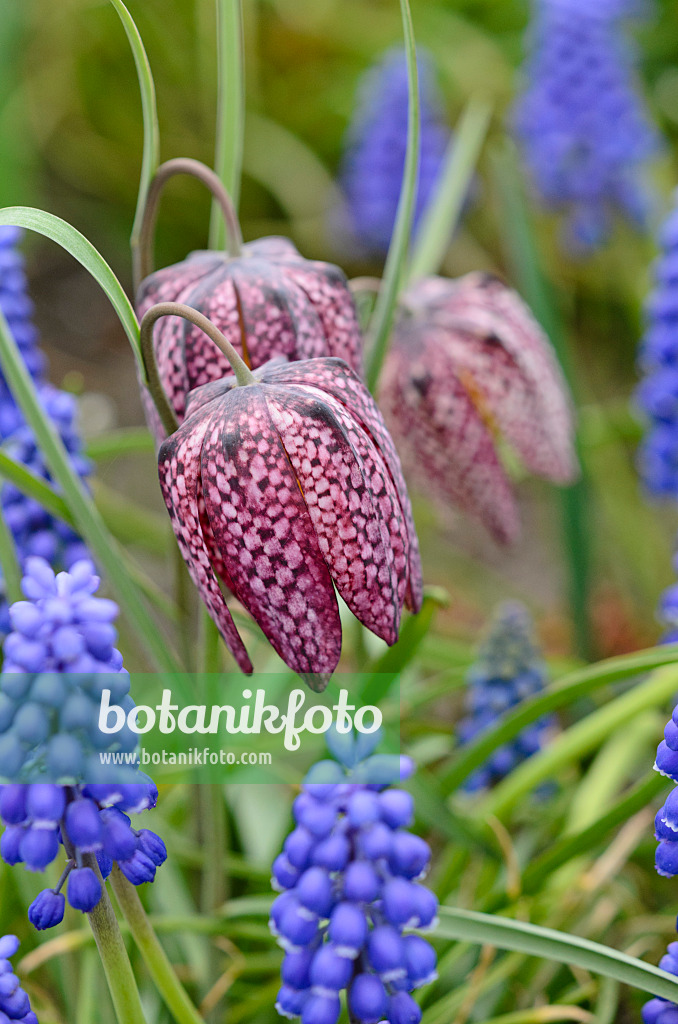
(47, 909)
(84, 889)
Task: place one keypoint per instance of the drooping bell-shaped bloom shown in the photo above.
(268, 301)
(350, 883)
(508, 670)
(372, 171)
(469, 365)
(581, 122)
(283, 489)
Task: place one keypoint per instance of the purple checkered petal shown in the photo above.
(445, 443)
(265, 534)
(179, 470)
(503, 355)
(336, 379)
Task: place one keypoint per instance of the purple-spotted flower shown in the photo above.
(57, 792)
(283, 489)
(468, 366)
(581, 122)
(349, 878)
(14, 1003)
(508, 671)
(268, 302)
(372, 169)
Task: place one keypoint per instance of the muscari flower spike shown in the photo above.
(507, 672)
(284, 489)
(373, 164)
(14, 1003)
(469, 365)
(657, 394)
(57, 791)
(268, 301)
(584, 130)
(663, 1011)
(17, 309)
(349, 878)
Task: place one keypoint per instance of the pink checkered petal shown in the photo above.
(515, 373)
(179, 472)
(446, 447)
(335, 378)
(265, 534)
(344, 494)
(327, 289)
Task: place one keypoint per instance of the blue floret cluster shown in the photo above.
(581, 122)
(58, 658)
(350, 881)
(666, 821)
(508, 670)
(374, 161)
(14, 1003)
(663, 1011)
(35, 532)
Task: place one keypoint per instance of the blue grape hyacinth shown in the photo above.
(666, 820)
(14, 1003)
(657, 394)
(349, 878)
(18, 310)
(581, 122)
(58, 791)
(663, 1011)
(508, 670)
(372, 169)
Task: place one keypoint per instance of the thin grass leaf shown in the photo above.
(442, 213)
(522, 937)
(11, 570)
(151, 148)
(230, 111)
(394, 270)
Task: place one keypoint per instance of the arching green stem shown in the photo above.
(242, 372)
(182, 165)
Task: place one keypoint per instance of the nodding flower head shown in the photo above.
(282, 490)
(468, 366)
(507, 672)
(14, 1003)
(268, 302)
(349, 879)
(580, 120)
(374, 161)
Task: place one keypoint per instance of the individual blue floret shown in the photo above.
(14, 1003)
(508, 670)
(57, 792)
(349, 878)
(372, 169)
(582, 125)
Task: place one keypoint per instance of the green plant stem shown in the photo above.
(230, 110)
(579, 739)
(384, 310)
(85, 515)
(573, 686)
(117, 968)
(548, 944)
(124, 441)
(151, 148)
(9, 561)
(155, 958)
(442, 214)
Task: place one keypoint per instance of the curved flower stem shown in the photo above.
(118, 970)
(242, 372)
(160, 969)
(181, 165)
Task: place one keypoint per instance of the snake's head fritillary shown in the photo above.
(268, 301)
(283, 490)
(469, 366)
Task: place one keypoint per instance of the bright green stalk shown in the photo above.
(11, 570)
(151, 148)
(580, 739)
(394, 270)
(118, 970)
(522, 937)
(155, 958)
(442, 213)
(230, 110)
(86, 517)
(573, 686)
